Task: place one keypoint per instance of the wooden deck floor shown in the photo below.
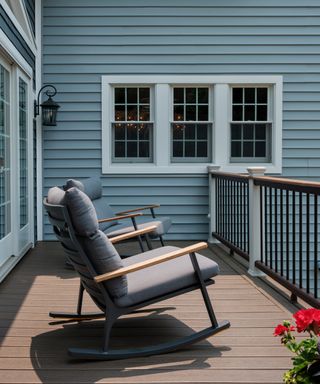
(34, 348)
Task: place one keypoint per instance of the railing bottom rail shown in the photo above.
(293, 288)
(231, 246)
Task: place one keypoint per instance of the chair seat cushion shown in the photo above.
(163, 224)
(163, 278)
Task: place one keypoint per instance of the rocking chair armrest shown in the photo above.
(139, 209)
(129, 235)
(150, 262)
(119, 217)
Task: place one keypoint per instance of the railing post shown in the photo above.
(212, 203)
(255, 222)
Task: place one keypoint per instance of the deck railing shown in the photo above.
(273, 223)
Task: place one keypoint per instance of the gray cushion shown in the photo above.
(91, 186)
(163, 224)
(163, 278)
(105, 258)
(103, 212)
(82, 212)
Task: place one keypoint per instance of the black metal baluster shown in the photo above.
(241, 215)
(315, 261)
(293, 237)
(308, 243)
(266, 225)
(287, 234)
(261, 226)
(300, 240)
(276, 229)
(270, 227)
(281, 231)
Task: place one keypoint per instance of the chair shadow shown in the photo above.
(49, 354)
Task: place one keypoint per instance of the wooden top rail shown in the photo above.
(288, 184)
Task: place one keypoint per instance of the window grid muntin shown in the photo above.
(127, 123)
(267, 122)
(196, 122)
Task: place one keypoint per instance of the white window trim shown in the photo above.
(221, 123)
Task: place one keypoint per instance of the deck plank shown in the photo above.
(34, 346)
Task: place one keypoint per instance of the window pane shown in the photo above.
(119, 96)
(190, 149)
(178, 131)
(144, 112)
(177, 149)
(144, 149)
(249, 95)
(191, 113)
(203, 113)
(260, 149)
(262, 95)
(202, 131)
(237, 113)
(132, 132)
(143, 131)
(203, 95)
(119, 132)
(236, 131)
(190, 131)
(262, 113)
(132, 112)
(191, 95)
(249, 113)
(248, 131)
(132, 149)
(202, 149)
(248, 149)
(120, 112)
(144, 95)
(237, 95)
(178, 113)
(236, 149)
(178, 95)
(119, 149)
(132, 95)
(260, 131)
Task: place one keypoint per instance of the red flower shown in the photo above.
(308, 320)
(280, 330)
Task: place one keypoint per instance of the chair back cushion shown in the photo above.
(98, 248)
(91, 186)
(82, 212)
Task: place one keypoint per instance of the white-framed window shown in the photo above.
(182, 124)
(132, 125)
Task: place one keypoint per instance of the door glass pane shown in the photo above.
(23, 150)
(5, 171)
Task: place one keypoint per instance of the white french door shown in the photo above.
(16, 220)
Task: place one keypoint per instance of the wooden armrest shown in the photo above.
(129, 235)
(119, 217)
(151, 262)
(139, 209)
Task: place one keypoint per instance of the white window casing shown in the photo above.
(221, 109)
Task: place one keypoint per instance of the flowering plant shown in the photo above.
(306, 363)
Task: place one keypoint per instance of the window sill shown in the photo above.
(191, 168)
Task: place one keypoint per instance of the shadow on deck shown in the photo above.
(34, 347)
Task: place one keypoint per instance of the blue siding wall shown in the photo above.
(86, 39)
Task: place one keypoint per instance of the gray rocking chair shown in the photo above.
(119, 287)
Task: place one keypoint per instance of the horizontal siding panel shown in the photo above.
(85, 40)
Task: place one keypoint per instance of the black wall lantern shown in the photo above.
(49, 107)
